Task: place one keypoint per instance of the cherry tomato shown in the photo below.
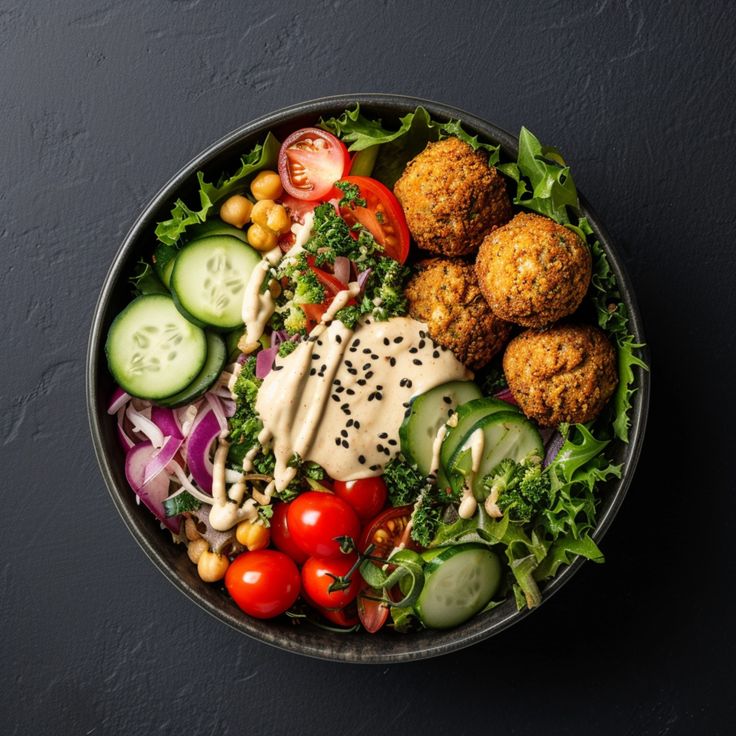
(264, 583)
(346, 617)
(366, 495)
(281, 537)
(372, 613)
(382, 216)
(315, 519)
(387, 531)
(319, 573)
(310, 162)
(298, 208)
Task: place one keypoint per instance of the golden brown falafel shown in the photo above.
(533, 271)
(445, 295)
(565, 373)
(452, 197)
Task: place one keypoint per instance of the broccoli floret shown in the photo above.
(296, 320)
(245, 425)
(287, 347)
(403, 480)
(520, 489)
(388, 298)
(308, 288)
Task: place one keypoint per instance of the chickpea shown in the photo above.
(196, 548)
(252, 535)
(212, 567)
(236, 210)
(261, 238)
(190, 529)
(271, 215)
(266, 185)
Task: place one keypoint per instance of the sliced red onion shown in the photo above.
(278, 336)
(167, 421)
(186, 417)
(264, 361)
(161, 458)
(198, 450)
(153, 493)
(228, 406)
(125, 441)
(216, 407)
(186, 483)
(341, 269)
(363, 277)
(506, 395)
(118, 400)
(553, 448)
(144, 425)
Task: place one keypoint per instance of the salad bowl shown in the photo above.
(386, 646)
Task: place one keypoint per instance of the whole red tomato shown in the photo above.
(318, 575)
(264, 583)
(316, 519)
(367, 496)
(281, 537)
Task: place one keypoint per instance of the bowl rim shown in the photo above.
(400, 105)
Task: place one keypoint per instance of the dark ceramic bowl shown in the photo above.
(171, 559)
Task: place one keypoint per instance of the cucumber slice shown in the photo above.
(215, 227)
(468, 414)
(428, 412)
(166, 272)
(506, 434)
(213, 365)
(152, 350)
(459, 582)
(209, 279)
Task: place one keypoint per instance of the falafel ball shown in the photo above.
(445, 295)
(452, 197)
(533, 271)
(565, 373)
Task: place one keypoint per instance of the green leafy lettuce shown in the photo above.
(263, 156)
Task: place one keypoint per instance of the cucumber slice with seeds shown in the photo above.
(152, 350)
(459, 582)
(209, 279)
(427, 413)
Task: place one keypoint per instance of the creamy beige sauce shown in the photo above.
(259, 304)
(436, 447)
(340, 397)
(468, 503)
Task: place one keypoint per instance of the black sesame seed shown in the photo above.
(361, 382)
(416, 361)
(335, 397)
(277, 367)
(337, 441)
(345, 407)
(398, 339)
(361, 459)
(344, 432)
(371, 396)
(386, 341)
(312, 371)
(383, 435)
(339, 389)
(447, 399)
(315, 356)
(350, 392)
(356, 342)
(393, 443)
(379, 396)
(379, 387)
(352, 349)
(345, 444)
(349, 363)
(356, 424)
(436, 354)
(338, 339)
(421, 344)
(352, 372)
(350, 423)
(379, 447)
(413, 350)
(337, 382)
(392, 361)
(374, 357)
(406, 404)
(369, 374)
(366, 366)
(422, 333)
(367, 351)
(386, 451)
(374, 467)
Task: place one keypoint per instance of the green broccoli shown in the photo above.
(425, 519)
(387, 299)
(520, 489)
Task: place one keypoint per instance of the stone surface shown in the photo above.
(103, 101)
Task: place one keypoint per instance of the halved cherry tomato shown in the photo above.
(264, 583)
(366, 495)
(281, 537)
(382, 216)
(315, 519)
(310, 162)
(372, 613)
(386, 531)
(298, 208)
(318, 575)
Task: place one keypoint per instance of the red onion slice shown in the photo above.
(125, 441)
(198, 450)
(145, 426)
(506, 395)
(118, 400)
(161, 458)
(553, 448)
(216, 407)
(228, 406)
(153, 493)
(341, 269)
(363, 277)
(167, 421)
(264, 361)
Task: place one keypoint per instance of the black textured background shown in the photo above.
(100, 102)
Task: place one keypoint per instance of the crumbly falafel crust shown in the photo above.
(445, 295)
(533, 271)
(452, 197)
(565, 373)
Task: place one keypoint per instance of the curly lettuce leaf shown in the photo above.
(263, 156)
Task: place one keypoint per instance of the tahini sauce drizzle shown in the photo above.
(340, 397)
